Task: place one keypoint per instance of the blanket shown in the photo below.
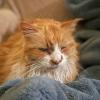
(43, 88)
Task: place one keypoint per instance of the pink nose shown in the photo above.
(56, 62)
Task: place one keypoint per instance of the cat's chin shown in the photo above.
(63, 74)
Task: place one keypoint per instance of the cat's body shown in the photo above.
(40, 47)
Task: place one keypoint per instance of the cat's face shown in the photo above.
(50, 48)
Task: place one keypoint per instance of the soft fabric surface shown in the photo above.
(87, 9)
(42, 88)
(89, 35)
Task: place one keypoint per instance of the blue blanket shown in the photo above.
(42, 88)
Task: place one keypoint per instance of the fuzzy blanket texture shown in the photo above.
(42, 88)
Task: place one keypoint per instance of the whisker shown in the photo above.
(32, 67)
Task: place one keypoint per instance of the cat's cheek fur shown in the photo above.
(46, 61)
(38, 54)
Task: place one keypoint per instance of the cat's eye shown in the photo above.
(43, 49)
(63, 48)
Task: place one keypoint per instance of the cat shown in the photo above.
(41, 47)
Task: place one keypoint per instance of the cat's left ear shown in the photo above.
(71, 24)
(28, 28)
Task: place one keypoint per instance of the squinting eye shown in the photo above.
(43, 49)
(63, 48)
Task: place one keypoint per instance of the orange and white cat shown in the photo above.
(41, 47)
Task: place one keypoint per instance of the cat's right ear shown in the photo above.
(28, 28)
(70, 25)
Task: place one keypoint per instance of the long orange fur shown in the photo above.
(15, 50)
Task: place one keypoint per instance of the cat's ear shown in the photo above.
(70, 24)
(28, 28)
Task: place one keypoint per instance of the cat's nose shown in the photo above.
(56, 61)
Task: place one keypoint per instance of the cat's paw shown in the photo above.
(8, 22)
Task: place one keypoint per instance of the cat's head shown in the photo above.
(50, 46)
